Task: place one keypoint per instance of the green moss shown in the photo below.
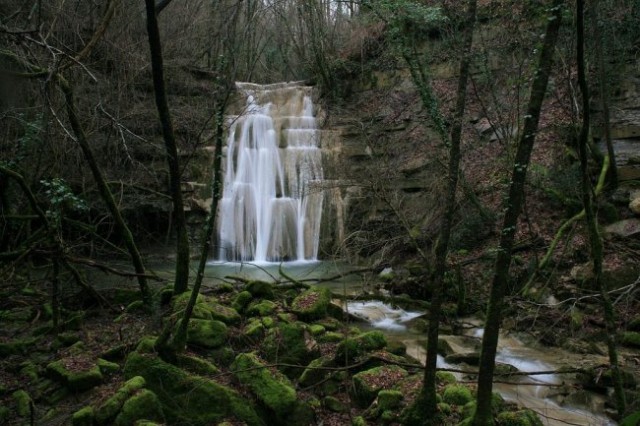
(83, 417)
(68, 338)
(143, 405)
(457, 395)
(273, 390)
(444, 408)
(630, 338)
(75, 381)
(330, 323)
(313, 375)
(518, 418)
(223, 356)
(108, 410)
(312, 304)
(260, 289)
(136, 306)
(331, 337)
(223, 313)
(367, 384)
(287, 344)
(29, 370)
(268, 322)
(206, 333)
(397, 348)
(255, 329)
(188, 399)
(5, 413)
(351, 348)
(16, 347)
(107, 367)
(262, 309)
(389, 399)
(445, 377)
(334, 404)
(196, 365)
(316, 329)
(147, 345)
(23, 403)
(388, 416)
(241, 301)
(358, 421)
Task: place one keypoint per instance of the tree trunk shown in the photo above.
(105, 192)
(592, 225)
(515, 200)
(182, 244)
(442, 246)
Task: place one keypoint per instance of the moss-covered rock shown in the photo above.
(389, 399)
(289, 344)
(109, 409)
(260, 289)
(445, 377)
(23, 403)
(254, 329)
(143, 405)
(334, 404)
(107, 367)
(223, 313)
(272, 389)
(630, 338)
(206, 333)
(518, 418)
(367, 384)
(397, 348)
(316, 329)
(29, 370)
(312, 304)
(83, 417)
(241, 301)
(470, 358)
(457, 395)
(206, 308)
(262, 308)
(315, 372)
(331, 337)
(188, 399)
(330, 323)
(444, 408)
(351, 348)
(196, 365)
(82, 377)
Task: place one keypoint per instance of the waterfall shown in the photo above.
(271, 204)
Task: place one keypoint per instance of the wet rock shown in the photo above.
(470, 358)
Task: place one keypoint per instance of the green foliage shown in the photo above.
(61, 199)
(457, 395)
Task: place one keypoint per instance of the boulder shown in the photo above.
(206, 333)
(290, 344)
(367, 384)
(457, 395)
(76, 374)
(312, 304)
(354, 347)
(108, 410)
(519, 418)
(189, 399)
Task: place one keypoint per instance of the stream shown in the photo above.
(547, 394)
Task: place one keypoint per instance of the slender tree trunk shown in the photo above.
(442, 246)
(483, 415)
(182, 245)
(592, 225)
(604, 95)
(180, 338)
(105, 192)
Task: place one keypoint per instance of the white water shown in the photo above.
(271, 204)
(382, 315)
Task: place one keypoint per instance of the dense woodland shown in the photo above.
(488, 153)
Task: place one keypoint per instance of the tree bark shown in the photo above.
(105, 192)
(182, 244)
(442, 246)
(515, 200)
(592, 225)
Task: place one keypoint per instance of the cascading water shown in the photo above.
(271, 205)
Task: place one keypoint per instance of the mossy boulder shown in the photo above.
(334, 404)
(83, 417)
(272, 389)
(469, 358)
(316, 329)
(143, 405)
(518, 418)
(290, 344)
(315, 372)
(445, 377)
(457, 395)
(254, 329)
(223, 313)
(189, 399)
(107, 411)
(312, 304)
(630, 338)
(196, 365)
(350, 349)
(262, 308)
(367, 384)
(206, 333)
(261, 289)
(206, 308)
(75, 374)
(389, 399)
(23, 403)
(331, 337)
(241, 301)
(107, 367)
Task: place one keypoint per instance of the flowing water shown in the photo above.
(271, 205)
